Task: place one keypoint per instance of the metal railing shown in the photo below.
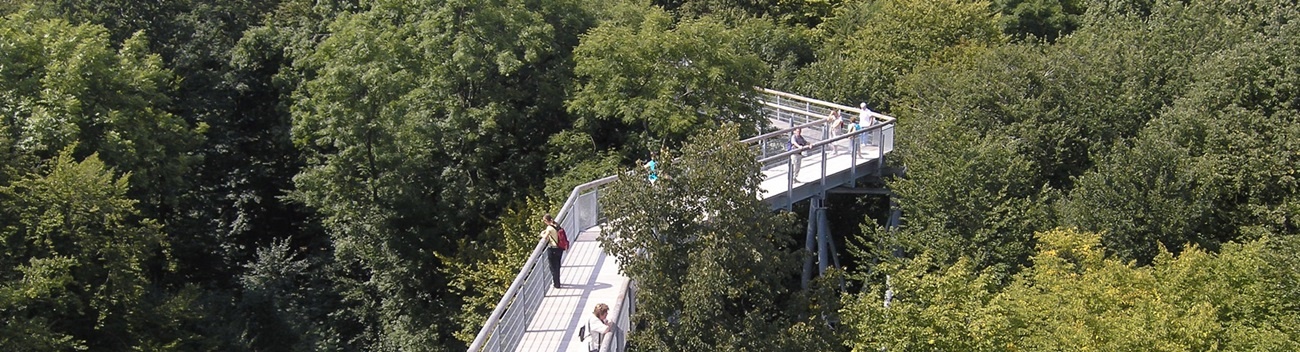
(503, 329)
(615, 338)
(790, 112)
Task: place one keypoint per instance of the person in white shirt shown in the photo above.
(596, 327)
(867, 121)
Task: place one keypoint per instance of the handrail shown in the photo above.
(814, 145)
(621, 323)
(752, 140)
(877, 115)
(561, 216)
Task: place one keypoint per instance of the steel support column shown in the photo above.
(809, 243)
(823, 238)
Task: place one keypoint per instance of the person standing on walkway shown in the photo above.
(857, 140)
(867, 121)
(797, 142)
(596, 327)
(553, 251)
(835, 125)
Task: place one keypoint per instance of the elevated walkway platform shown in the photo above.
(534, 316)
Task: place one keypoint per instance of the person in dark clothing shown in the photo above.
(553, 251)
(797, 142)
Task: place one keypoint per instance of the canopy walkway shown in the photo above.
(533, 316)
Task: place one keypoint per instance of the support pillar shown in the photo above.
(809, 243)
(819, 241)
(823, 240)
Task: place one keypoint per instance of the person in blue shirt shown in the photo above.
(654, 168)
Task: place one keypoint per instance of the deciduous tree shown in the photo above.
(660, 81)
(711, 260)
(73, 274)
(422, 121)
(1075, 297)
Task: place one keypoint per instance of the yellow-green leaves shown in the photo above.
(1074, 298)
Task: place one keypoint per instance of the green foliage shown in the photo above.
(1073, 297)
(1144, 198)
(488, 264)
(422, 122)
(1092, 117)
(930, 309)
(710, 259)
(663, 80)
(867, 46)
(65, 85)
(975, 198)
(792, 13)
(1215, 166)
(1043, 19)
(75, 252)
(784, 49)
(421, 126)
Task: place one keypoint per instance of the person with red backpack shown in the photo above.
(557, 242)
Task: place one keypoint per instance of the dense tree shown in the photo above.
(802, 13)
(1144, 198)
(65, 85)
(867, 46)
(1042, 19)
(1059, 110)
(977, 200)
(430, 135)
(658, 82)
(75, 257)
(784, 49)
(1214, 167)
(422, 122)
(488, 263)
(710, 259)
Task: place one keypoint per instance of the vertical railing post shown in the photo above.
(823, 154)
(789, 185)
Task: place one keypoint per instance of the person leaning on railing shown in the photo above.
(797, 142)
(596, 327)
(553, 251)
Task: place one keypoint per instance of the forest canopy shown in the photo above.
(367, 174)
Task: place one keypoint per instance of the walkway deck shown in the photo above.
(588, 276)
